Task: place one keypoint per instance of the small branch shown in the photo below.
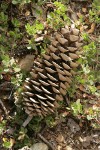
(45, 141)
(11, 93)
(4, 108)
(26, 122)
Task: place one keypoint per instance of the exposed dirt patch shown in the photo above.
(63, 137)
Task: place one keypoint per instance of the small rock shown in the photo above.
(25, 148)
(39, 146)
(74, 127)
(99, 147)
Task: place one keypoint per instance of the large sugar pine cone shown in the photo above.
(52, 73)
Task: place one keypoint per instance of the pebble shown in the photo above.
(39, 146)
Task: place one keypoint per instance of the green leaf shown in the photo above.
(33, 29)
(86, 69)
(7, 144)
(89, 117)
(77, 107)
(3, 17)
(17, 69)
(16, 22)
(92, 89)
(50, 121)
(5, 60)
(2, 126)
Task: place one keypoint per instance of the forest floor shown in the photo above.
(69, 129)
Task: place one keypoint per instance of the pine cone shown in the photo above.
(52, 73)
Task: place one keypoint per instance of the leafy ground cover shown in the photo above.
(28, 24)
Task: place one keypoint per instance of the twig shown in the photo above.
(43, 129)
(26, 122)
(45, 141)
(11, 93)
(4, 108)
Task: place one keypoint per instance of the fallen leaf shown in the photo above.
(79, 15)
(98, 87)
(84, 10)
(4, 139)
(81, 87)
(92, 28)
(60, 138)
(1, 118)
(12, 142)
(81, 28)
(6, 77)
